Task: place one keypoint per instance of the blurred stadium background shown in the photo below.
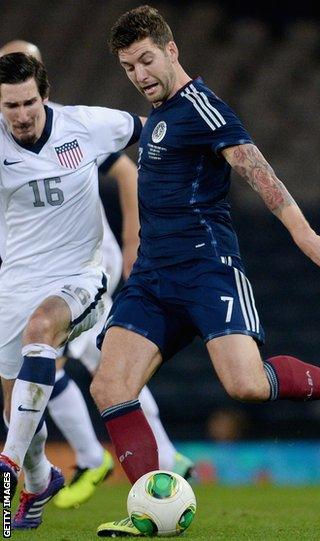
(263, 59)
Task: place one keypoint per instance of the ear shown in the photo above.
(172, 51)
(45, 100)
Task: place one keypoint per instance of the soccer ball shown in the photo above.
(161, 503)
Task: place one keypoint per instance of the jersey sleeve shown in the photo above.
(110, 130)
(214, 123)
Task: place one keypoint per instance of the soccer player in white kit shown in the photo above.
(67, 406)
(52, 281)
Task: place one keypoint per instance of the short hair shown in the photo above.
(19, 67)
(137, 24)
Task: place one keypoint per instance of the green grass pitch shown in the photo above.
(265, 513)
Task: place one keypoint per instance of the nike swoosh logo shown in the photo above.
(21, 408)
(11, 163)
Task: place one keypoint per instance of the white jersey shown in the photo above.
(49, 193)
(3, 234)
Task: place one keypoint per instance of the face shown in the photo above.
(23, 110)
(151, 69)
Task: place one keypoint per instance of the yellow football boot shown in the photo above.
(83, 484)
(119, 528)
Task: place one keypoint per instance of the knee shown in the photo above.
(102, 393)
(110, 391)
(248, 392)
(39, 329)
(96, 390)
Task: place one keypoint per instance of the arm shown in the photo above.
(125, 173)
(250, 164)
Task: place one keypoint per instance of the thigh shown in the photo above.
(238, 364)
(85, 298)
(49, 323)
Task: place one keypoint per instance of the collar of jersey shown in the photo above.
(176, 95)
(44, 136)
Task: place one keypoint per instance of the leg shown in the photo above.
(291, 378)
(239, 367)
(6, 465)
(245, 376)
(40, 477)
(165, 448)
(69, 411)
(169, 458)
(67, 406)
(7, 387)
(36, 466)
(128, 360)
(46, 330)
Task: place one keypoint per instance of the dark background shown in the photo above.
(263, 59)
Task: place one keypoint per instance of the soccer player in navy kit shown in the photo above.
(188, 279)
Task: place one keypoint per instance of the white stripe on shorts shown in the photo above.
(249, 312)
(253, 305)
(226, 260)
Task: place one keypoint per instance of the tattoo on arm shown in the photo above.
(250, 164)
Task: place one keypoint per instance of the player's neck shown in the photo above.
(41, 124)
(181, 79)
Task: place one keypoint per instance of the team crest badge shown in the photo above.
(69, 154)
(159, 132)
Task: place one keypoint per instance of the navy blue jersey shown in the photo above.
(184, 179)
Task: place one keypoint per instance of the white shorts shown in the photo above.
(84, 294)
(84, 347)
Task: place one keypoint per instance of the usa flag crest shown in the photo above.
(69, 154)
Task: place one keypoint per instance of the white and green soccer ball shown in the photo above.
(161, 503)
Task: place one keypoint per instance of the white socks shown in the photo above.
(165, 448)
(36, 466)
(70, 413)
(31, 392)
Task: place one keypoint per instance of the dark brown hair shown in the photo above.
(139, 23)
(19, 67)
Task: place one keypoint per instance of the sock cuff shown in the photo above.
(273, 380)
(120, 409)
(38, 370)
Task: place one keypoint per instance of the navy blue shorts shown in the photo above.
(171, 305)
